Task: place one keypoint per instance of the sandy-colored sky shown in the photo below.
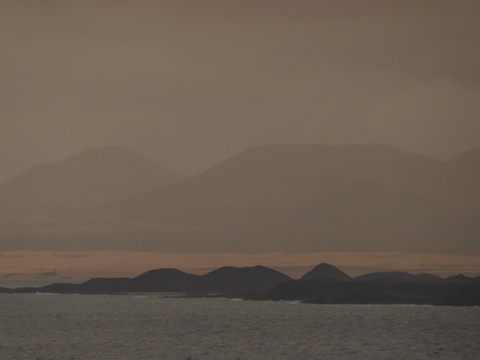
(188, 83)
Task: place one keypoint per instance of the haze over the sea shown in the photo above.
(174, 130)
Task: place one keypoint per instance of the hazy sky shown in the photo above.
(189, 83)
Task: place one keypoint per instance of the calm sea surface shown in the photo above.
(151, 327)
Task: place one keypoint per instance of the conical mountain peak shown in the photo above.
(326, 271)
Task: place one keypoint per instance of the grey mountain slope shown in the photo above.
(270, 182)
(464, 177)
(91, 178)
(363, 201)
(468, 161)
(282, 198)
(366, 215)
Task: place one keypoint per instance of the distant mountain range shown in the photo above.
(324, 284)
(268, 198)
(88, 179)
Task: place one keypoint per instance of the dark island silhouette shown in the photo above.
(324, 284)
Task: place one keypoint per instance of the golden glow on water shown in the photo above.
(58, 265)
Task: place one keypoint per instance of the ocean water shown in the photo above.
(41, 327)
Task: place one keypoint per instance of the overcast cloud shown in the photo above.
(189, 83)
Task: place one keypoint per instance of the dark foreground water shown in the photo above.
(151, 327)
